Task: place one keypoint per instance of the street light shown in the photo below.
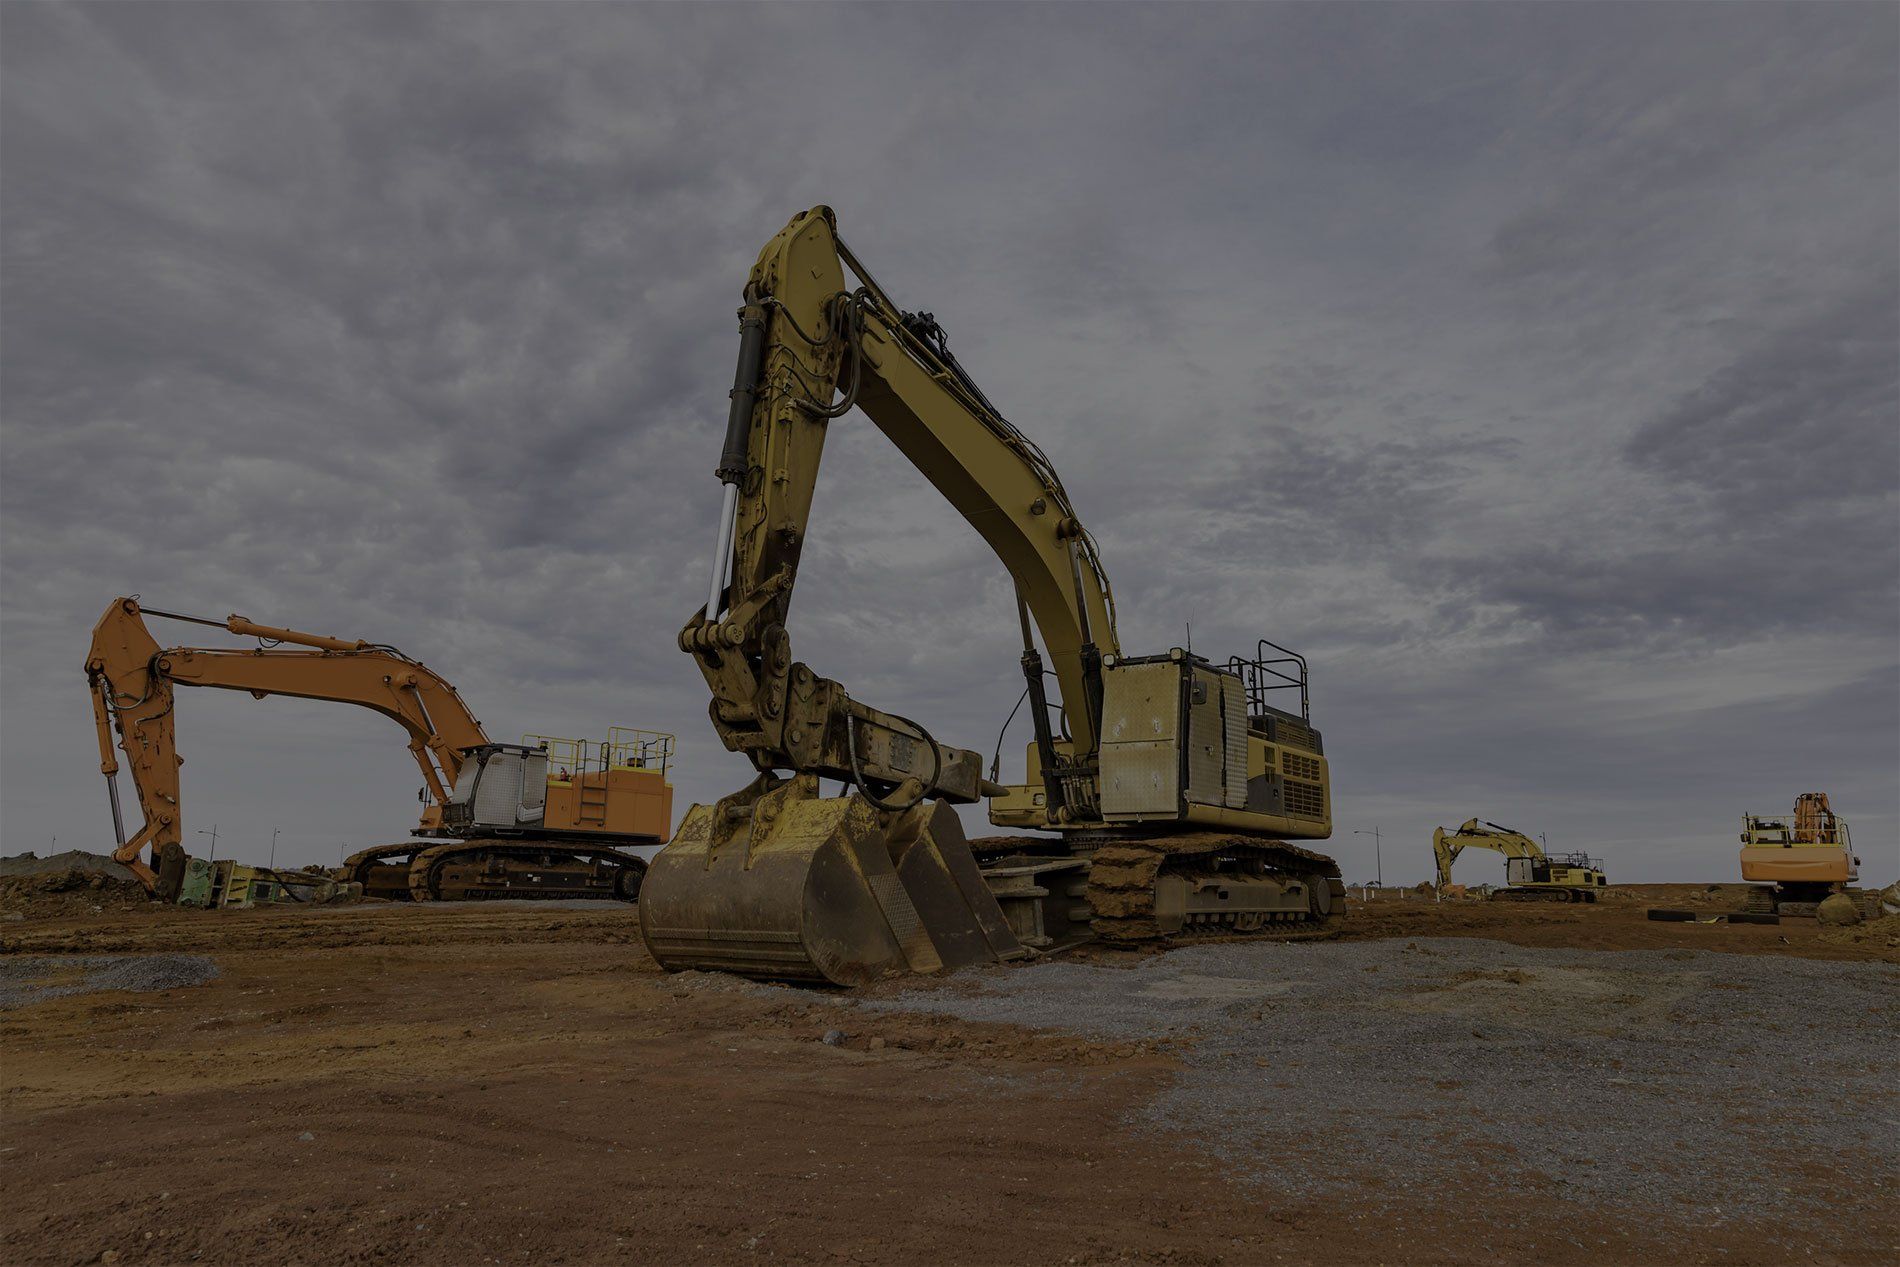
(1378, 859)
(274, 833)
(213, 833)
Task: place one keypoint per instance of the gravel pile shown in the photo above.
(28, 979)
(1641, 1079)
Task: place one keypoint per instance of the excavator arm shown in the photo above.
(1471, 834)
(132, 680)
(812, 348)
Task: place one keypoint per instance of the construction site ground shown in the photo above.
(519, 1083)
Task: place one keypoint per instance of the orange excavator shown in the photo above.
(543, 818)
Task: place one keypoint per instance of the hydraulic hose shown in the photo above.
(857, 773)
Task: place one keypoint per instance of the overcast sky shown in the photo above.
(1530, 368)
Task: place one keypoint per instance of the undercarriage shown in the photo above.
(1131, 889)
(1793, 899)
(474, 870)
(1551, 893)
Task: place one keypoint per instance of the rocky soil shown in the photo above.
(519, 1083)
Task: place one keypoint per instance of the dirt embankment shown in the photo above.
(68, 884)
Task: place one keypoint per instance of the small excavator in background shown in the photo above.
(543, 818)
(1795, 863)
(1530, 874)
(1170, 786)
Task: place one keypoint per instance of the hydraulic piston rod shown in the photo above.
(732, 458)
(108, 761)
(722, 551)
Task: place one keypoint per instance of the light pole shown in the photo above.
(1378, 858)
(213, 833)
(274, 833)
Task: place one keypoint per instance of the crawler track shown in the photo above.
(1544, 895)
(1123, 874)
(474, 870)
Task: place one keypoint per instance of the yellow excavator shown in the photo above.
(1169, 784)
(1530, 874)
(1794, 863)
(543, 818)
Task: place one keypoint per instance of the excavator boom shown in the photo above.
(803, 336)
(132, 680)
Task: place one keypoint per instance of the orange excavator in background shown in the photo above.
(543, 818)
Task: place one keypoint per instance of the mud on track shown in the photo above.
(520, 1084)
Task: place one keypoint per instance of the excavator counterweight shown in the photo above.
(1168, 791)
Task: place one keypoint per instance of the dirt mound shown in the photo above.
(1838, 911)
(71, 890)
(1876, 933)
(72, 860)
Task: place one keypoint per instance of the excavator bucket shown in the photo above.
(788, 885)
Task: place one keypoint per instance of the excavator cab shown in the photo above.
(550, 785)
(503, 787)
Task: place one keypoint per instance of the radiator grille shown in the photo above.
(1295, 766)
(1305, 800)
(1285, 730)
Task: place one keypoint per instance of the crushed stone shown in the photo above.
(1638, 1079)
(28, 979)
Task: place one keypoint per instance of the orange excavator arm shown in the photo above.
(132, 680)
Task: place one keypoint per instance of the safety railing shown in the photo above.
(1267, 673)
(1789, 830)
(1576, 859)
(641, 749)
(624, 748)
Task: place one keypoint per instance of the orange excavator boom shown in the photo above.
(132, 680)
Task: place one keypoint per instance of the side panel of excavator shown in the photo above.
(1180, 744)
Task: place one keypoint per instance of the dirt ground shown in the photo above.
(516, 1083)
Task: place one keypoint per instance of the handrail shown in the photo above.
(1264, 674)
(625, 747)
